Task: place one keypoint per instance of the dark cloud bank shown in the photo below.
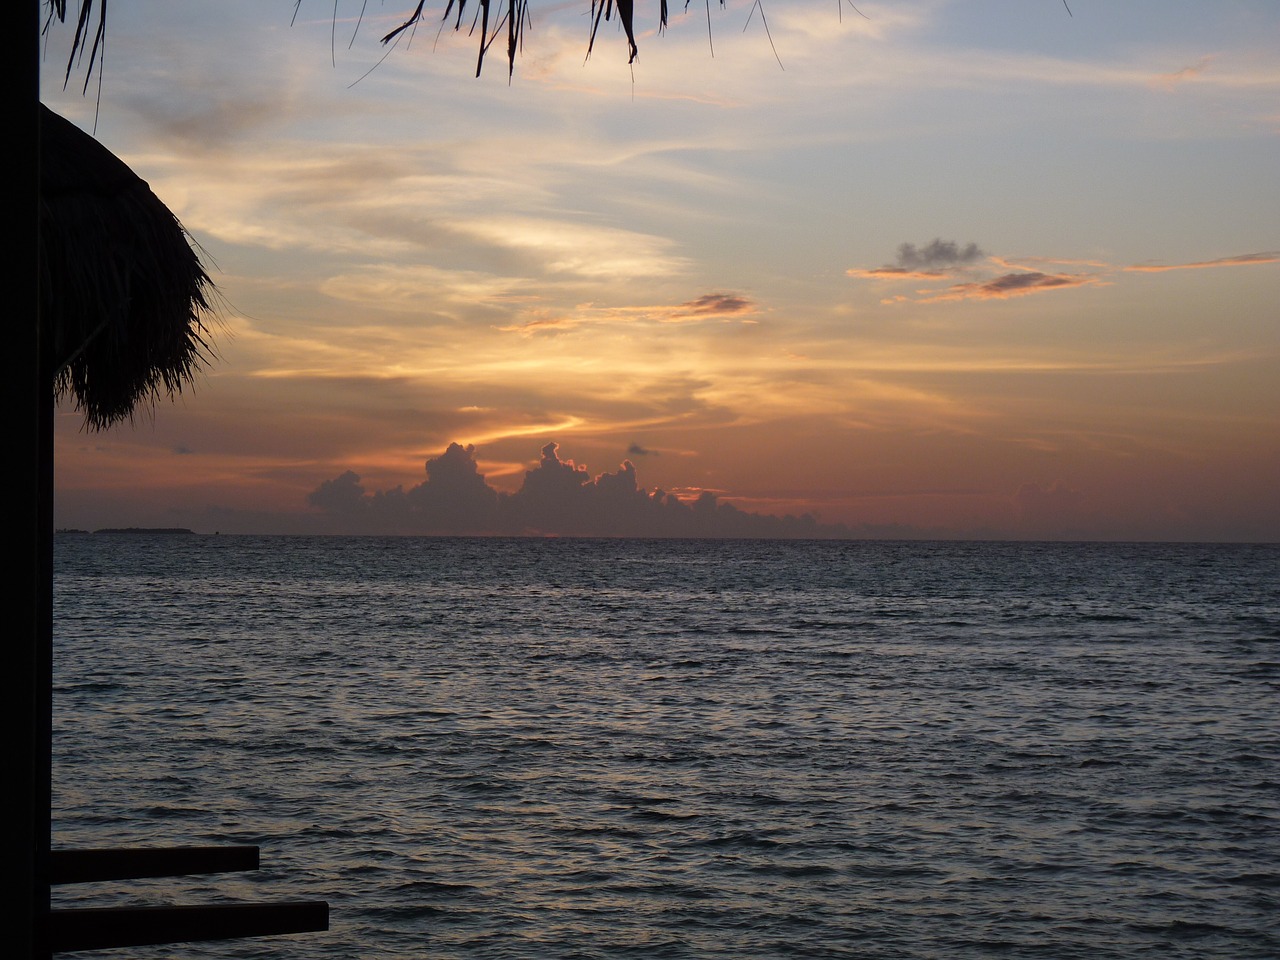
(558, 497)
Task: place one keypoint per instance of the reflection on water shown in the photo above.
(556, 748)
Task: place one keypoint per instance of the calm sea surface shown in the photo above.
(639, 749)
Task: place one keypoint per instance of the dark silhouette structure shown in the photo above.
(124, 299)
(122, 311)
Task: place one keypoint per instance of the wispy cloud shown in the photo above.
(940, 259)
(711, 305)
(1167, 81)
(1021, 280)
(1036, 263)
(1013, 285)
(1242, 260)
(722, 307)
(564, 247)
(895, 273)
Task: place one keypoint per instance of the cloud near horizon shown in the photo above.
(1057, 510)
(557, 498)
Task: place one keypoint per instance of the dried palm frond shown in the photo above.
(124, 299)
(58, 8)
(516, 18)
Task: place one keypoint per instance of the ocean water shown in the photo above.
(558, 748)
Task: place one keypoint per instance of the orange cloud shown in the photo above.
(1022, 279)
(1013, 285)
(541, 325)
(1244, 259)
(709, 305)
(896, 273)
(1029, 263)
(717, 303)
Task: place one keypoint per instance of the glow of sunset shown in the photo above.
(951, 270)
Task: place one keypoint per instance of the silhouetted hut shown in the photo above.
(122, 308)
(124, 299)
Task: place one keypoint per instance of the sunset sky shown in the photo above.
(947, 269)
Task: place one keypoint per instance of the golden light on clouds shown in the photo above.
(596, 252)
(792, 287)
(423, 288)
(1008, 285)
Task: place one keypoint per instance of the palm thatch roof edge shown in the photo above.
(124, 298)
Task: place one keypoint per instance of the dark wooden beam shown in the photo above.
(101, 928)
(131, 863)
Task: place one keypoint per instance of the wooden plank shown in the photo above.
(99, 928)
(130, 863)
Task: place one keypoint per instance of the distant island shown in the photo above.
(147, 530)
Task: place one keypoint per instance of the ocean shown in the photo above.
(570, 748)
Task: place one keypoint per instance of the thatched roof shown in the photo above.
(123, 295)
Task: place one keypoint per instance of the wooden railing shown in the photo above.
(97, 928)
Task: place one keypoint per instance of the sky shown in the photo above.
(921, 268)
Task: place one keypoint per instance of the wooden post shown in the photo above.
(28, 582)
